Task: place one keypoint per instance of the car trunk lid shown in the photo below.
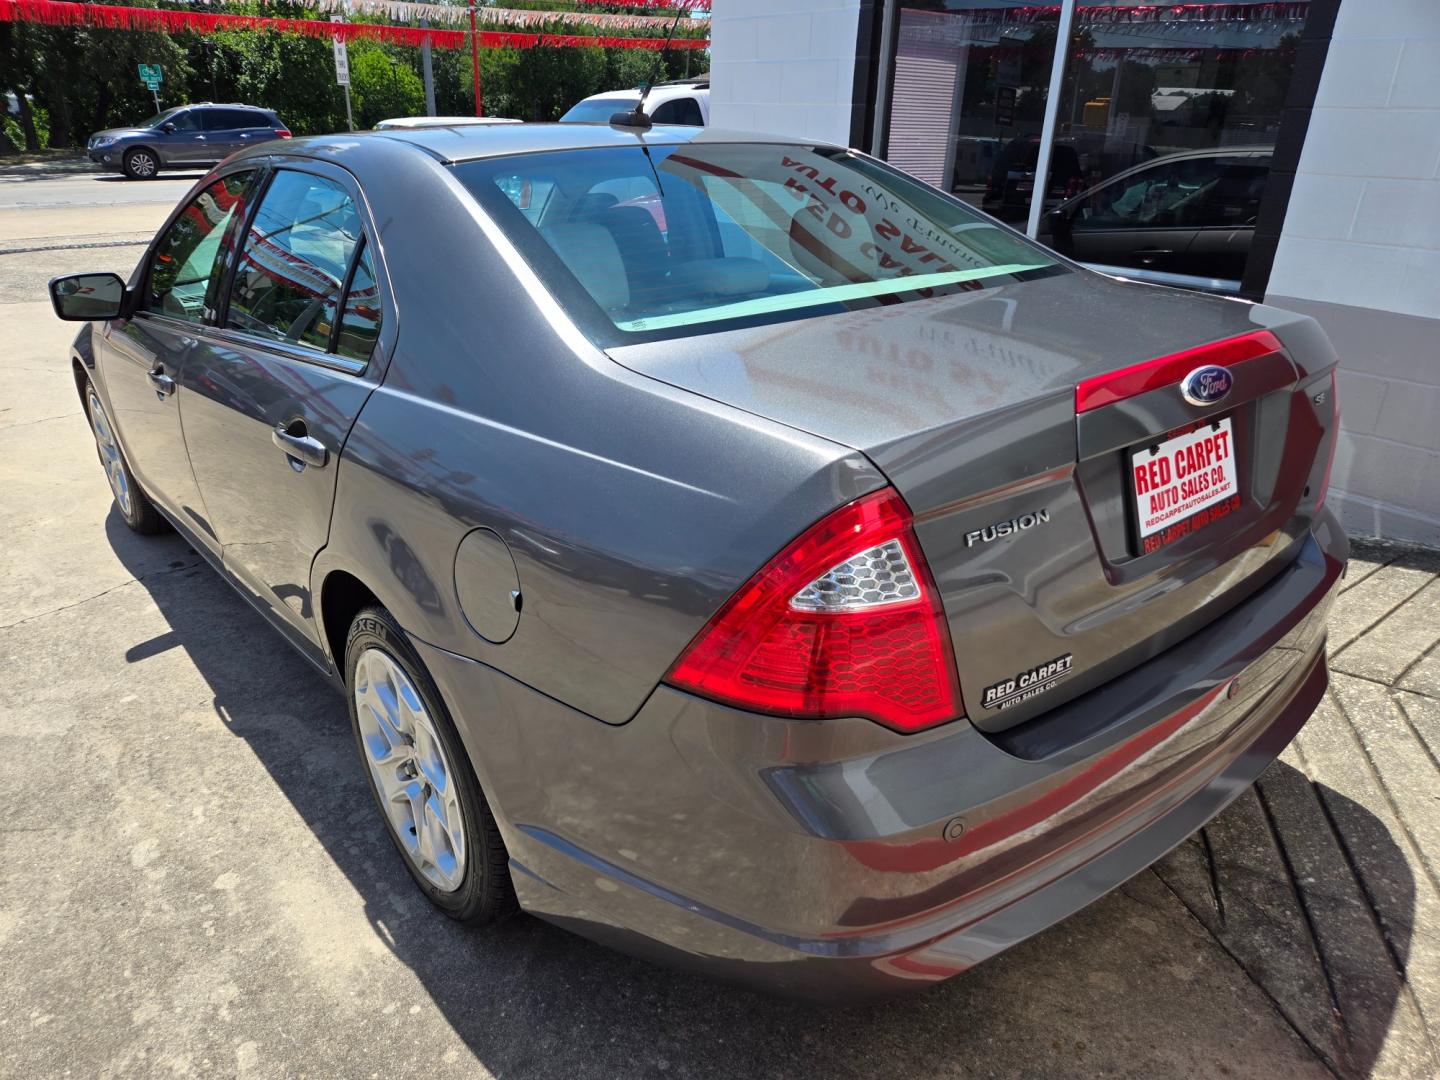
(1024, 505)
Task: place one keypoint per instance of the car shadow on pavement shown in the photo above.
(1136, 984)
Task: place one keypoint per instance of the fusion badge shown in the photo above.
(1028, 684)
(1007, 528)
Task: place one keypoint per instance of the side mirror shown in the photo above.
(1058, 224)
(168, 128)
(87, 297)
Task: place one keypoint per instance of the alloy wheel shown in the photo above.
(109, 454)
(142, 164)
(412, 773)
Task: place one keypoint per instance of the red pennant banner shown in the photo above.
(672, 5)
(112, 17)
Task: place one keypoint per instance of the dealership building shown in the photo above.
(1285, 151)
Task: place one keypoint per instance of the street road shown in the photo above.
(195, 879)
(90, 187)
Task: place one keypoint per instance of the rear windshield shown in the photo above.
(648, 243)
(596, 112)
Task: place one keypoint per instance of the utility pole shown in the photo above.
(475, 59)
(208, 44)
(426, 70)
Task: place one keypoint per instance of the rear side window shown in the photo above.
(230, 119)
(685, 110)
(1173, 194)
(663, 241)
(295, 260)
(183, 278)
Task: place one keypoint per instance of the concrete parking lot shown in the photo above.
(195, 880)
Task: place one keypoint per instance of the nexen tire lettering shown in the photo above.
(1007, 528)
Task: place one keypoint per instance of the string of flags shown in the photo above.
(407, 11)
(165, 20)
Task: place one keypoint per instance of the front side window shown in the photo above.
(669, 240)
(184, 121)
(294, 261)
(183, 278)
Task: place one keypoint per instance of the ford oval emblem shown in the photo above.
(1206, 385)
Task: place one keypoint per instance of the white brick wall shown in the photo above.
(1360, 250)
(784, 66)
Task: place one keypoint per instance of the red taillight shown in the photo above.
(845, 621)
(284, 133)
(1334, 443)
(1150, 375)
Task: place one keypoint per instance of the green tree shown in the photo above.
(382, 85)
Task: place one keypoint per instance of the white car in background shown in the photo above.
(686, 102)
(407, 122)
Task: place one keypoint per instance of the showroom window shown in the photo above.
(1163, 133)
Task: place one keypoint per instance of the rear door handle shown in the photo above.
(1150, 253)
(164, 385)
(301, 449)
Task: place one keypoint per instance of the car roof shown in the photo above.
(441, 121)
(658, 92)
(221, 105)
(500, 140)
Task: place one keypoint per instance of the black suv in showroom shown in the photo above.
(184, 137)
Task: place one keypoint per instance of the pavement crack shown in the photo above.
(1373, 624)
(1417, 854)
(1434, 650)
(1373, 569)
(1214, 878)
(103, 592)
(1372, 905)
(1397, 698)
(1305, 913)
(80, 246)
(41, 420)
(1280, 1011)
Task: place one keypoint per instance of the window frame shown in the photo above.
(309, 354)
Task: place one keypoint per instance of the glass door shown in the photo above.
(1167, 122)
(970, 79)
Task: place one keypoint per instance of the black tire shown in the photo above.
(485, 895)
(140, 514)
(141, 163)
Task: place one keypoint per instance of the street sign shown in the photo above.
(342, 57)
(1005, 106)
(152, 77)
(342, 71)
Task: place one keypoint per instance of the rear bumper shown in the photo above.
(839, 859)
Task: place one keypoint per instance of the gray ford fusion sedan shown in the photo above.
(730, 547)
